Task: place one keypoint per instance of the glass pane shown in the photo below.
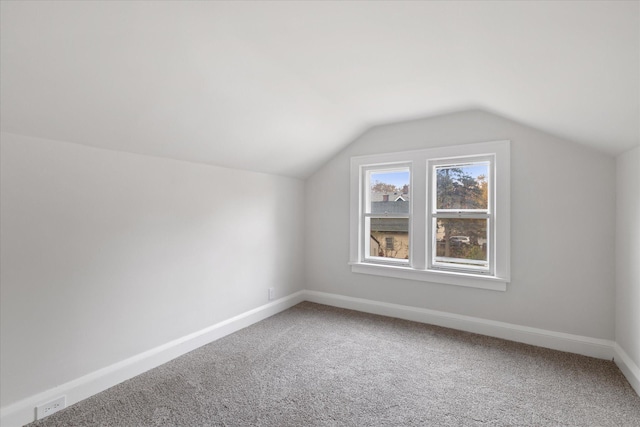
(462, 242)
(389, 237)
(462, 186)
(389, 192)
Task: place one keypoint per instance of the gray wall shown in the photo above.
(108, 254)
(628, 254)
(563, 228)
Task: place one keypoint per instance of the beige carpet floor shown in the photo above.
(314, 365)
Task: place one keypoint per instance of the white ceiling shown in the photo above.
(279, 87)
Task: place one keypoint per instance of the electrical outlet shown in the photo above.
(272, 293)
(51, 407)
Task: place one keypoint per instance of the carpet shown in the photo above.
(314, 365)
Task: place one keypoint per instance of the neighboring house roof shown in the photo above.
(390, 207)
(395, 225)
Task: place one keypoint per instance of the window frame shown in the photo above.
(421, 248)
(433, 212)
(366, 171)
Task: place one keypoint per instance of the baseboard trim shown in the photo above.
(23, 412)
(587, 346)
(630, 370)
(593, 347)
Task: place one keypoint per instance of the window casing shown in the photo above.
(453, 215)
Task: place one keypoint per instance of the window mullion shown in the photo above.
(419, 221)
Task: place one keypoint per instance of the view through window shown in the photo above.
(387, 213)
(461, 215)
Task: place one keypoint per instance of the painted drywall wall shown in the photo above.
(108, 254)
(628, 254)
(562, 235)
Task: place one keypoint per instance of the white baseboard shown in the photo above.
(593, 347)
(23, 412)
(630, 370)
(602, 349)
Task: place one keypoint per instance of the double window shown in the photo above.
(439, 215)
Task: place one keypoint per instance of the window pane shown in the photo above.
(389, 237)
(389, 192)
(462, 186)
(461, 242)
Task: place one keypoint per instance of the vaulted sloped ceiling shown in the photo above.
(280, 87)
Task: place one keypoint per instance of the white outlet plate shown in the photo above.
(51, 407)
(272, 293)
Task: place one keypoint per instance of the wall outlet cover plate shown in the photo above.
(51, 407)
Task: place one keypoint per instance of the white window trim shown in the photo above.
(418, 268)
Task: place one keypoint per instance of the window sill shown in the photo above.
(450, 278)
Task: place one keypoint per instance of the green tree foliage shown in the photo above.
(458, 190)
(381, 187)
